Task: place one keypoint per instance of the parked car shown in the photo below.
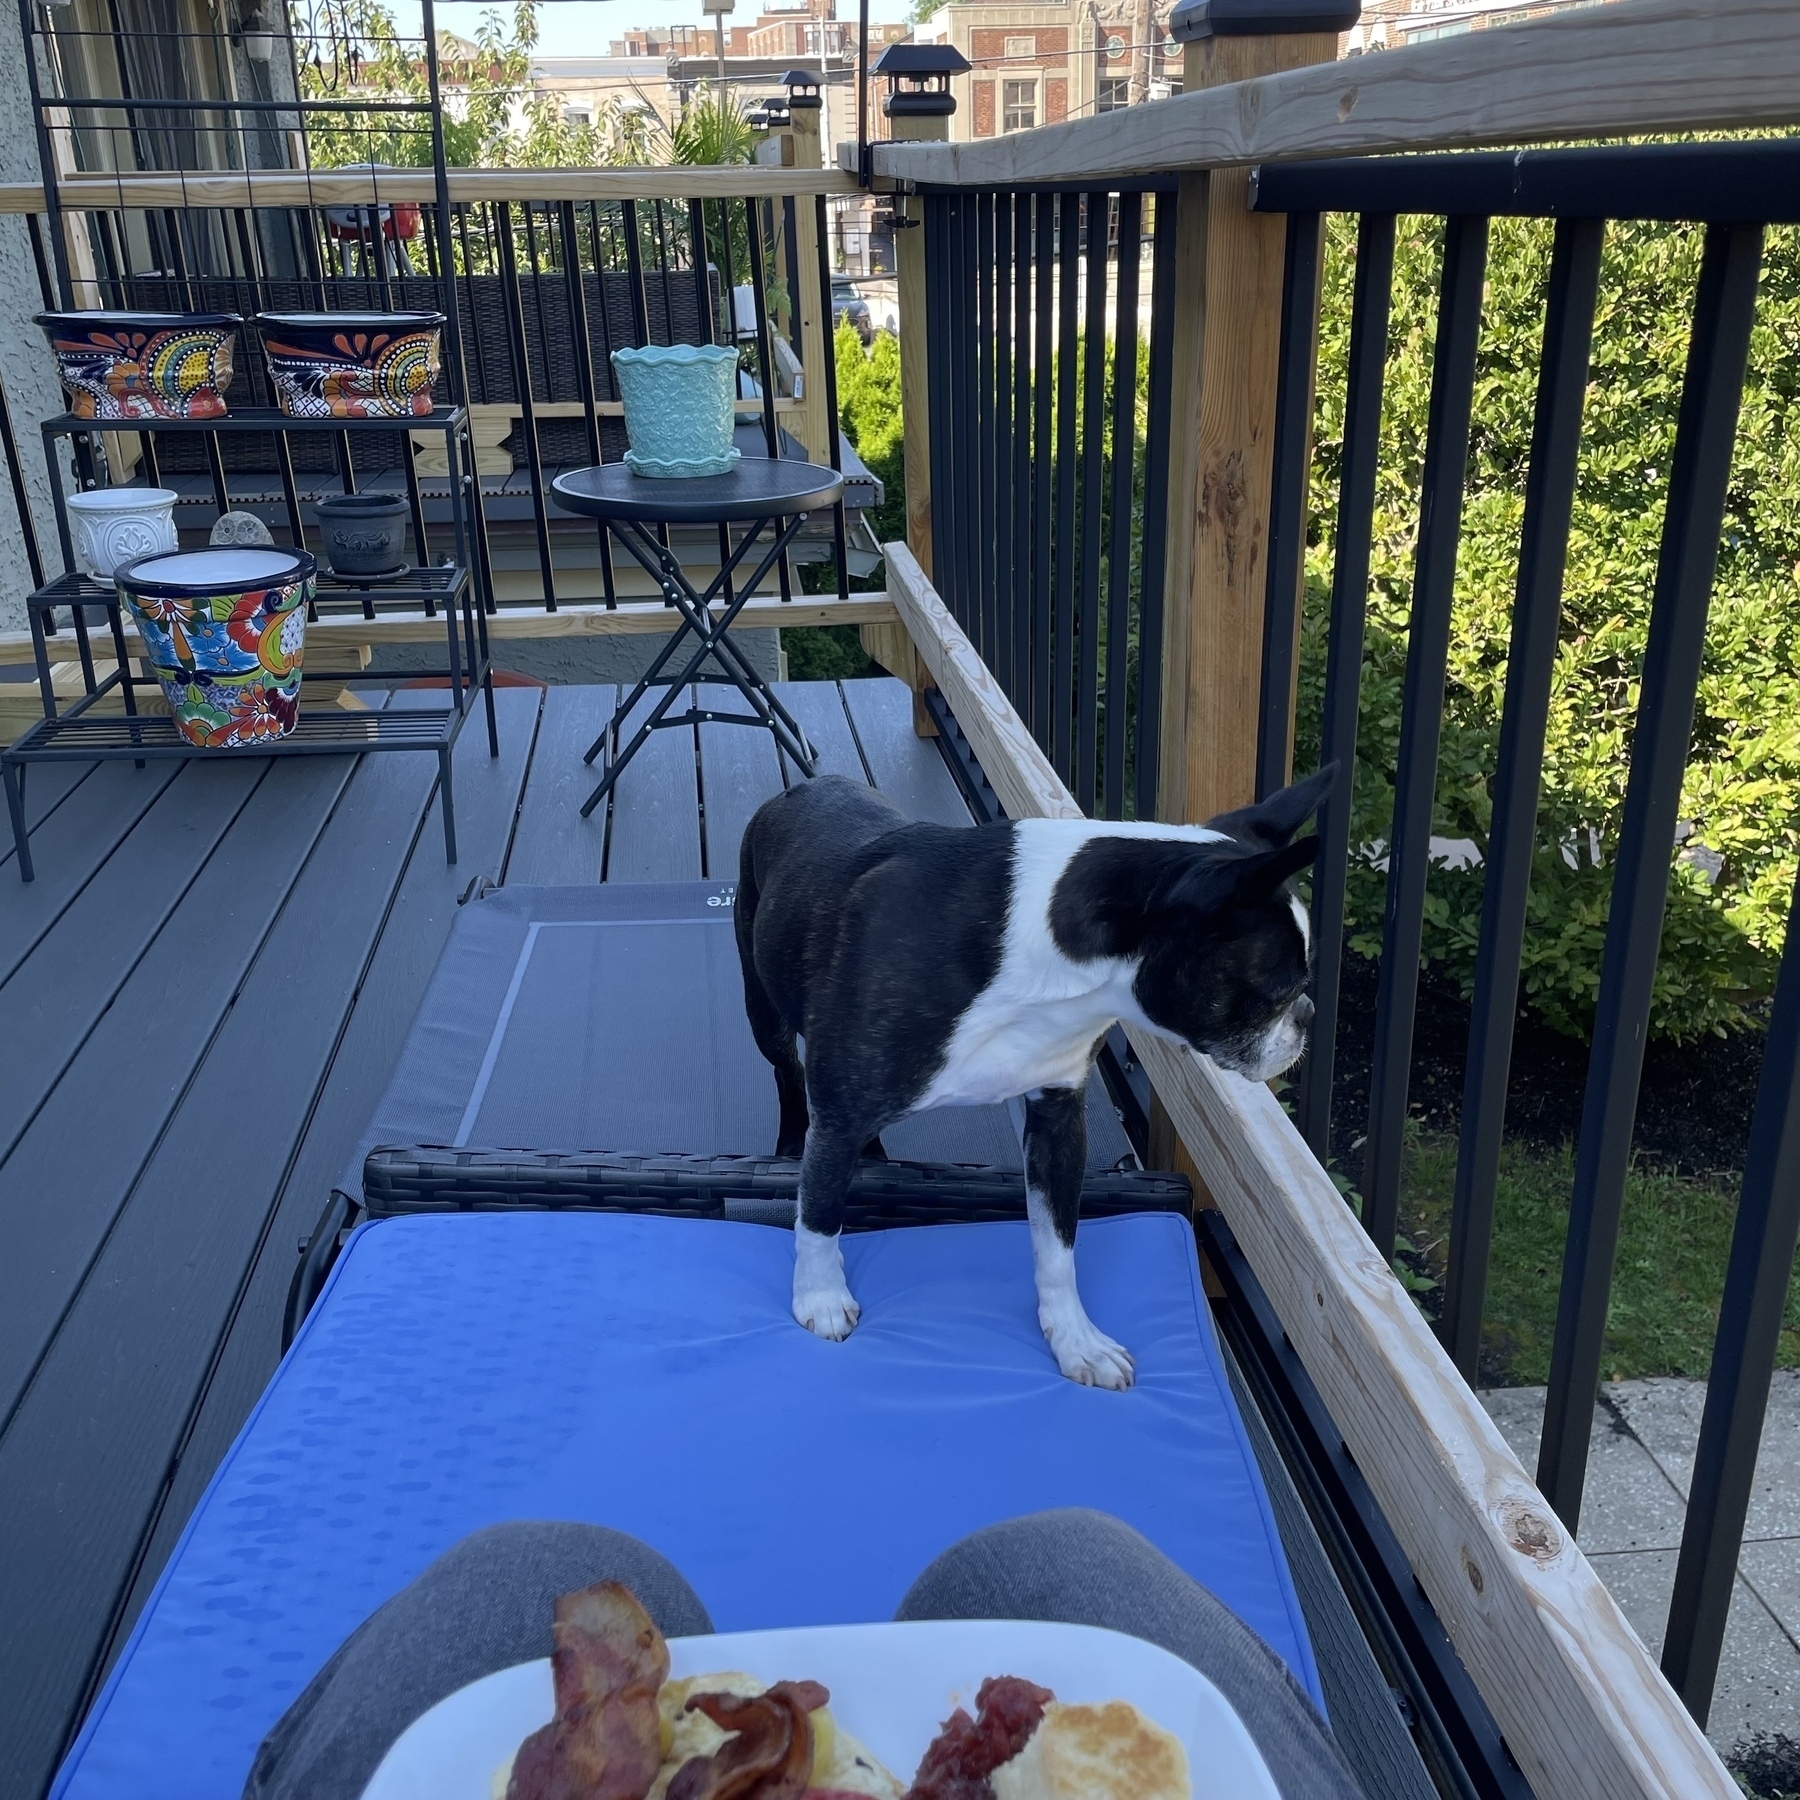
(848, 307)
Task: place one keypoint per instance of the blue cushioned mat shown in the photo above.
(644, 1373)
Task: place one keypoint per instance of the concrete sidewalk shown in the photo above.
(1641, 1457)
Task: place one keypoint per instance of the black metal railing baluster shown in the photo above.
(1154, 555)
(839, 524)
(765, 352)
(515, 319)
(1370, 306)
(662, 271)
(765, 360)
(937, 364)
(990, 359)
(1750, 1320)
(575, 278)
(790, 238)
(1062, 662)
(1093, 429)
(1421, 716)
(1291, 465)
(1530, 663)
(964, 447)
(476, 337)
(1724, 312)
(634, 268)
(699, 258)
(1124, 470)
(1018, 601)
(528, 212)
(1041, 458)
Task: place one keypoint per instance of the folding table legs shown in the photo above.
(714, 639)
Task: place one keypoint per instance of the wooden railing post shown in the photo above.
(889, 645)
(815, 424)
(1228, 326)
(1229, 263)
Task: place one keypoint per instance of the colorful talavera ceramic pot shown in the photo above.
(352, 365)
(679, 411)
(113, 526)
(125, 365)
(224, 631)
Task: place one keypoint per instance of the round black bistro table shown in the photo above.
(760, 492)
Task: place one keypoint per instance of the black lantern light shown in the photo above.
(802, 91)
(918, 78)
(1193, 20)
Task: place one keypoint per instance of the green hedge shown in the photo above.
(1723, 935)
(868, 383)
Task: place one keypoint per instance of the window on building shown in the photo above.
(1115, 93)
(1021, 46)
(1115, 46)
(578, 115)
(1018, 106)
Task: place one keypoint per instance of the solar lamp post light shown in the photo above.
(918, 78)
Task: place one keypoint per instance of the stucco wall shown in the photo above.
(25, 365)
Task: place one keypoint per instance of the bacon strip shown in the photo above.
(966, 1751)
(605, 1743)
(769, 1757)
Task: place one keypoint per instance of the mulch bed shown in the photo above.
(1693, 1108)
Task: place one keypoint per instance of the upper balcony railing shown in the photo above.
(541, 273)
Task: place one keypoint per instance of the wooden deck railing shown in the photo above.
(1112, 613)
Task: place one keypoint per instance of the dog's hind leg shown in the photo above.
(773, 1034)
(1055, 1160)
(822, 1299)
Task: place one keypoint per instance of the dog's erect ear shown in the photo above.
(1266, 871)
(1271, 822)
(1211, 884)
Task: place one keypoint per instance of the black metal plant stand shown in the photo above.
(125, 130)
(79, 733)
(765, 494)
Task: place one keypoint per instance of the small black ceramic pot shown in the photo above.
(363, 534)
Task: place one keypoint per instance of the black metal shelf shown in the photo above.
(259, 418)
(424, 587)
(77, 732)
(322, 732)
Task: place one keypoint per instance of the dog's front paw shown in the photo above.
(1086, 1354)
(827, 1309)
(823, 1302)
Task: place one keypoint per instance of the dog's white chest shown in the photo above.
(1011, 1042)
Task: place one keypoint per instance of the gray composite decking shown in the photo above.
(201, 996)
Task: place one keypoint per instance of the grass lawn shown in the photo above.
(1673, 1247)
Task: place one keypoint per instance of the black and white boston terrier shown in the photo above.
(926, 966)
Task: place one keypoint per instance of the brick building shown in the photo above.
(1057, 59)
(1392, 24)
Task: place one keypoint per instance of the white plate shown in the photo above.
(891, 1685)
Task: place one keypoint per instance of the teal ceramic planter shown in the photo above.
(679, 410)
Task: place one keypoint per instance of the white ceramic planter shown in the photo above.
(113, 525)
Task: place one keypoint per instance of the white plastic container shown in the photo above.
(111, 526)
